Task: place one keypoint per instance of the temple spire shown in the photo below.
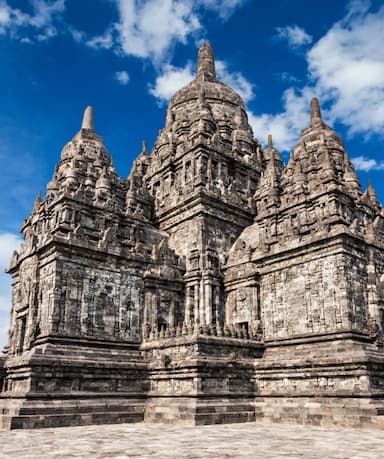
(371, 193)
(144, 146)
(270, 153)
(370, 188)
(206, 63)
(37, 202)
(88, 121)
(316, 119)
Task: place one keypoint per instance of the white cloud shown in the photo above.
(10, 17)
(144, 29)
(235, 80)
(78, 35)
(150, 29)
(122, 77)
(174, 78)
(171, 80)
(224, 8)
(357, 7)
(26, 40)
(346, 68)
(8, 243)
(287, 77)
(362, 163)
(48, 32)
(5, 14)
(104, 41)
(294, 35)
(45, 12)
(285, 126)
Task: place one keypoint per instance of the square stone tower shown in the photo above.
(204, 170)
(316, 246)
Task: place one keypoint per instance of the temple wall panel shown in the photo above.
(98, 302)
(314, 296)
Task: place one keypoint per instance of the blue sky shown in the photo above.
(127, 57)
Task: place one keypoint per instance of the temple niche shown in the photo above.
(214, 284)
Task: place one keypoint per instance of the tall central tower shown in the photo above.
(204, 170)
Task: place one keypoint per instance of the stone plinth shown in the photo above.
(75, 383)
(201, 379)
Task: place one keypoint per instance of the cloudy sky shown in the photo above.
(127, 57)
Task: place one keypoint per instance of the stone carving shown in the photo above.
(214, 284)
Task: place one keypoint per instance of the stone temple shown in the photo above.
(213, 285)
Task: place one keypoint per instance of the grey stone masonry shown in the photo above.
(213, 285)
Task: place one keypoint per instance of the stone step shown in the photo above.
(63, 420)
(349, 413)
(222, 408)
(229, 417)
(56, 413)
(81, 409)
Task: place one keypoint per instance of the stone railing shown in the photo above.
(219, 330)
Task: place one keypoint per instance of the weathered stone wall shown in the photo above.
(201, 379)
(314, 293)
(105, 303)
(25, 305)
(243, 302)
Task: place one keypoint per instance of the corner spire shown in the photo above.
(206, 63)
(370, 187)
(88, 121)
(270, 141)
(371, 193)
(37, 202)
(316, 119)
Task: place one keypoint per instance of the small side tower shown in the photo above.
(315, 254)
(78, 294)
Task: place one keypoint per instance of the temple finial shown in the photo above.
(88, 121)
(371, 190)
(316, 119)
(370, 194)
(37, 202)
(144, 146)
(270, 142)
(206, 63)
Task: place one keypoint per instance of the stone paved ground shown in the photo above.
(170, 442)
